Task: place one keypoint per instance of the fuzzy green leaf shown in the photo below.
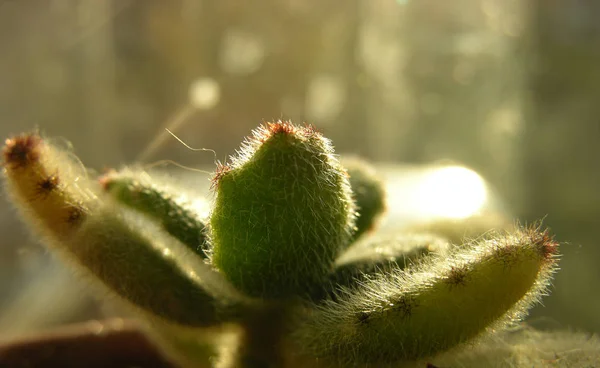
(162, 201)
(282, 214)
(434, 306)
(368, 194)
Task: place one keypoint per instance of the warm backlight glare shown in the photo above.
(452, 191)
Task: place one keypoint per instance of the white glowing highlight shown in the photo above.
(452, 191)
(204, 93)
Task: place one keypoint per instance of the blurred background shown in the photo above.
(509, 89)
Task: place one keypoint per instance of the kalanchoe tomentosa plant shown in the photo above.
(281, 254)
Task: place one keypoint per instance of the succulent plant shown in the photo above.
(287, 260)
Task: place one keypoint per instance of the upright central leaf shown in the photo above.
(283, 212)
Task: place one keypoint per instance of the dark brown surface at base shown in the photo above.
(97, 344)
